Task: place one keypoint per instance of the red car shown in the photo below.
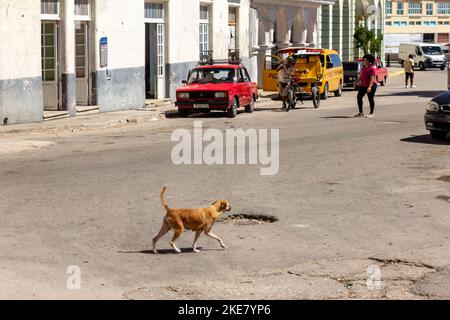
(381, 71)
(225, 87)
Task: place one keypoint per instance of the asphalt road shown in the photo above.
(359, 201)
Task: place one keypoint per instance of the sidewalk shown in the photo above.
(89, 121)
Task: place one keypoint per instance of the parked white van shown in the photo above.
(425, 55)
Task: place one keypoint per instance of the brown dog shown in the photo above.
(198, 220)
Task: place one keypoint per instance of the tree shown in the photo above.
(365, 39)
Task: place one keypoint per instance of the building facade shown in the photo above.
(112, 54)
(338, 23)
(416, 21)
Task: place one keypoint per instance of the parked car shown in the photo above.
(351, 73)
(381, 72)
(225, 87)
(425, 55)
(331, 71)
(437, 116)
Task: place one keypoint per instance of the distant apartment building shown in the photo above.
(416, 21)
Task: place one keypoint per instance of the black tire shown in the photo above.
(184, 112)
(232, 110)
(438, 135)
(315, 95)
(324, 95)
(443, 67)
(402, 62)
(338, 92)
(251, 107)
(421, 66)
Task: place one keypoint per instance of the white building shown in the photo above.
(60, 54)
(114, 54)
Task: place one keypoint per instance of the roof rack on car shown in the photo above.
(206, 58)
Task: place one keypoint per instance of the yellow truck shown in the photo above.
(319, 67)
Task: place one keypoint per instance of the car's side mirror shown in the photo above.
(329, 65)
(419, 53)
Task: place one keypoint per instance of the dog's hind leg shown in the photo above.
(176, 234)
(211, 234)
(194, 245)
(164, 229)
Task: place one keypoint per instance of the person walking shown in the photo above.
(408, 65)
(367, 85)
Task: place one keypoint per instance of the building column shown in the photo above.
(68, 57)
(299, 30)
(311, 35)
(266, 25)
(337, 27)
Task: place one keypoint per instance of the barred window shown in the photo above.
(82, 7)
(388, 7)
(154, 10)
(414, 7)
(204, 13)
(49, 6)
(400, 8)
(429, 9)
(444, 8)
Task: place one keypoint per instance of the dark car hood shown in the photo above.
(442, 98)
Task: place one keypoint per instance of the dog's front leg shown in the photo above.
(211, 234)
(194, 245)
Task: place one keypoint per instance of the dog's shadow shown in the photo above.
(170, 251)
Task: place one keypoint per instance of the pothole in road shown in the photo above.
(444, 198)
(248, 219)
(444, 178)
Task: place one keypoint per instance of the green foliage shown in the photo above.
(365, 39)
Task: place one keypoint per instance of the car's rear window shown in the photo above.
(351, 66)
(212, 75)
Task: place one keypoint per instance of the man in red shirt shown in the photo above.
(367, 85)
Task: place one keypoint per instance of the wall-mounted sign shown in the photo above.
(103, 52)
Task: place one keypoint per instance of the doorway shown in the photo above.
(82, 63)
(49, 64)
(154, 61)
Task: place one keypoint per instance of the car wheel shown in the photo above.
(251, 107)
(232, 110)
(443, 67)
(324, 95)
(438, 135)
(402, 62)
(421, 66)
(338, 92)
(184, 112)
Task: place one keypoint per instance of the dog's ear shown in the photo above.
(214, 203)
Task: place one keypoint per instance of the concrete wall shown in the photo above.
(121, 85)
(20, 61)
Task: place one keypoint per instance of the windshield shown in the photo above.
(432, 50)
(212, 75)
(351, 66)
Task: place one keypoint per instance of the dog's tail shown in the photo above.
(163, 199)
